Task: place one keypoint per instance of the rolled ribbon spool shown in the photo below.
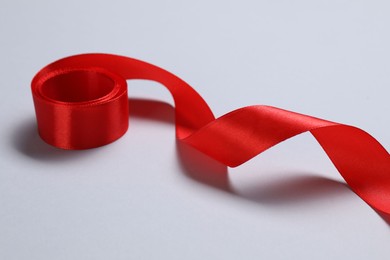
(81, 102)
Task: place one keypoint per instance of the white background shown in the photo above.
(143, 197)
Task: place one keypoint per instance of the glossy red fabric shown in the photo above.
(81, 102)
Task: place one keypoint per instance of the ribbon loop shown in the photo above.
(80, 108)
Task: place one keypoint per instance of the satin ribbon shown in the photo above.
(81, 102)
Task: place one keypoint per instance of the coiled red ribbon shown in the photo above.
(81, 102)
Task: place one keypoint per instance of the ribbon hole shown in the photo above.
(77, 86)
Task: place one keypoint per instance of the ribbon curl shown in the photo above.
(81, 102)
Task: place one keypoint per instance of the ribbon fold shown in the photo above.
(81, 102)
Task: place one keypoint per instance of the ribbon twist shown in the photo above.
(81, 102)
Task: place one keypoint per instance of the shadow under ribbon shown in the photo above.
(195, 165)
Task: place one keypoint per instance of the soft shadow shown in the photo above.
(26, 141)
(193, 163)
(295, 189)
(201, 168)
(384, 216)
(299, 189)
(151, 110)
(302, 188)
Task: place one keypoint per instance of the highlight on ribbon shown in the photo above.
(81, 102)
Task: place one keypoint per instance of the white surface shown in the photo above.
(140, 198)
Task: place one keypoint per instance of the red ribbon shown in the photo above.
(81, 102)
